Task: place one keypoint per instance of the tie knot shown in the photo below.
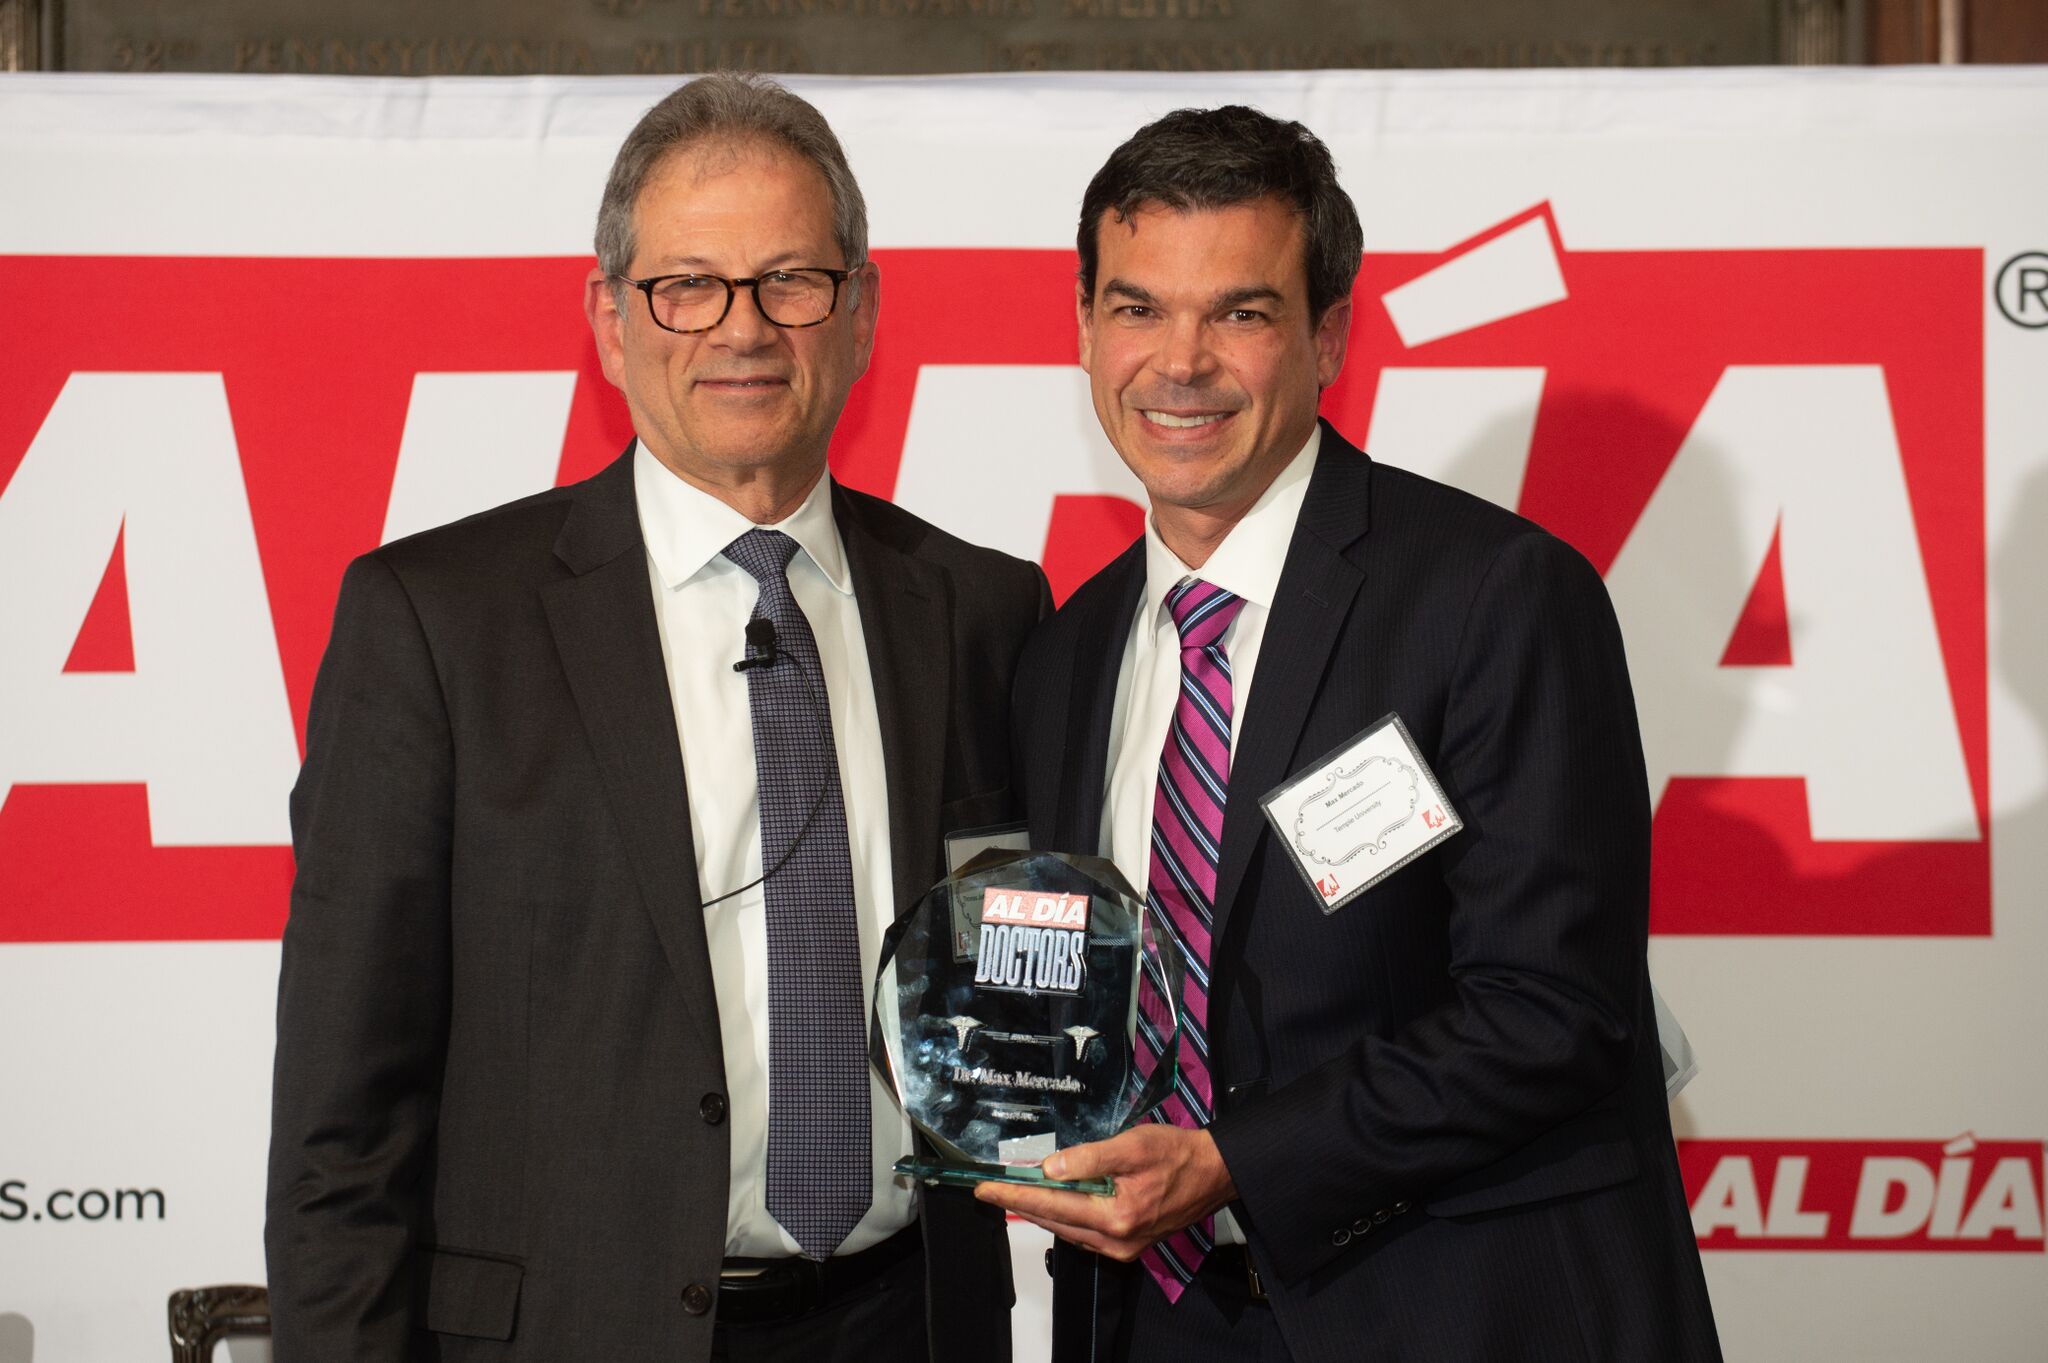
(1202, 611)
(763, 554)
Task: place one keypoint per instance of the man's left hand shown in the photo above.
(1166, 1177)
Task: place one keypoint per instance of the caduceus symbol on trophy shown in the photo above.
(963, 1027)
(1081, 1036)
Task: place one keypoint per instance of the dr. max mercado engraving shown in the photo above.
(981, 1076)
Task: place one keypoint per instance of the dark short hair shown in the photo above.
(736, 106)
(1196, 159)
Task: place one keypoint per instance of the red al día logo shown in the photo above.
(1032, 941)
(1774, 457)
(1964, 1195)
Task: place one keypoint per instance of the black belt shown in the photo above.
(1232, 1265)
(751, 1291)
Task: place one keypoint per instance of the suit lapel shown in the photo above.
(1101, 628)
(1318, 585)
(610, 647)
(904, 620)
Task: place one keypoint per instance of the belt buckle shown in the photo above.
(773, 1291)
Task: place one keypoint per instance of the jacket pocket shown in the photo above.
(1590, 1151)
(470, 1294)
(975, 811)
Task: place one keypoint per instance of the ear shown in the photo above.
(607, 327)
(1333, 338)
(1084, 325)
(863, 291)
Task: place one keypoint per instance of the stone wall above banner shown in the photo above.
(894, 37)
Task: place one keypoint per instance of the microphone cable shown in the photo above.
(762, 652)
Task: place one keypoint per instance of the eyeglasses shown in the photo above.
(698, 302)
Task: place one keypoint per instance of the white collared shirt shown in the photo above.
(1247, 563)
(702, 604)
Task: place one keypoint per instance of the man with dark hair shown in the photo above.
(609, 796)
(1420, 1112)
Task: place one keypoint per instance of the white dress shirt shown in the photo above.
(1247, 563)
(702, 604)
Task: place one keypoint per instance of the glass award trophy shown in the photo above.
(1007, 1018)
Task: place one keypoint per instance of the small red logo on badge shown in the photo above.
(1432, 818)
(1328, 885)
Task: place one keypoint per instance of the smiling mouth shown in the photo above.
(742, 383)
(1175, 422)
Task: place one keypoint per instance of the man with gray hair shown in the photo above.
(609, 796)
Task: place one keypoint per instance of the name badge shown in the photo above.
(1360, 813)
(969, 843)
(963, 847)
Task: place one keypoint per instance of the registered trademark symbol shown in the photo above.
(2022, 289)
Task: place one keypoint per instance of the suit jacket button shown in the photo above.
(696, 1299)
(1340, 1237)
(1361, 1225)
(712, 1108)
(1400, 1207)
(1380, 1216)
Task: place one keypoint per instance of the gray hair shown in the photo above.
(1194, 160)
(729, 106)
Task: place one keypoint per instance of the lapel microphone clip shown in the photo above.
(760, 645)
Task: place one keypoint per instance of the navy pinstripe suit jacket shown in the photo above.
(1442, 1105)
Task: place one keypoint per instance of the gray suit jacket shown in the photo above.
(498, 1127)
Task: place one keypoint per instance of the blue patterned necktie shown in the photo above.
(1187, 841)
(820, 1176)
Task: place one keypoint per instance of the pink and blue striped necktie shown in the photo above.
(1187, 842)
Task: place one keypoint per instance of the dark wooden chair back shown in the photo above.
(201, 1317)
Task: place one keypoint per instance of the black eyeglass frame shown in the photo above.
(732, 287)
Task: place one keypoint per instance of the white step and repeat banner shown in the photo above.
(1769, 347)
